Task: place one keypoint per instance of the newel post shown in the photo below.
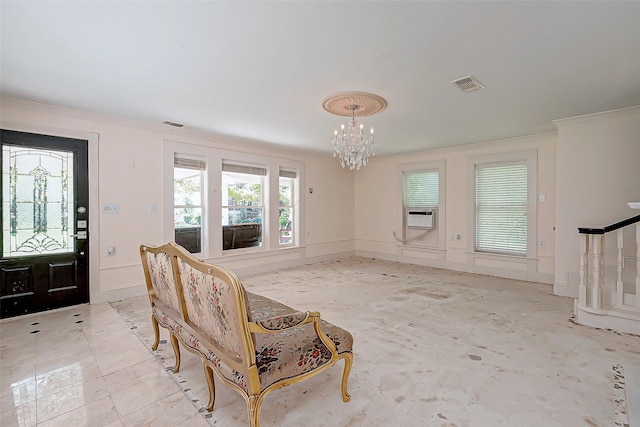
(584, 270)
(637, 296)
(598, 270)
(619, 284)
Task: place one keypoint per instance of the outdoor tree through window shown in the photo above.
(242, 205)
(286, 215)
(188, 205)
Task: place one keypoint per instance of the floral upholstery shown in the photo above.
(211, 305)
(166, 320)
(224, 369)
(224, 323)
(264, 308)
(291, 352)
(294, 352)
(283, 322)
(285, 354)
(162, 279)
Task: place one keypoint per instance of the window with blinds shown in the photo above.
(421, 189)
(501, 208)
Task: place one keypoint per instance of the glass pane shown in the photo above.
(187, 217)
(285, 219)
(37, 201)
(232, 216)
(421, 189)
(242, 228)
(285, 192)
(187, 187)
(189, 237)
(243, 194)
(24, 216)
(24, 189)
(241, 189)
(21, 159)
(54, 216)
(55, 196)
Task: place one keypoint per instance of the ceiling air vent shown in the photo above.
(174, 124)
(468, 84)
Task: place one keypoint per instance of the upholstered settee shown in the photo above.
(251, 343)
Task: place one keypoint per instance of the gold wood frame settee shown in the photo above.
(253, 344)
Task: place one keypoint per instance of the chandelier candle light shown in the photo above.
(351, 143)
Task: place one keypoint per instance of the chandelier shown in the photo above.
(352, 144)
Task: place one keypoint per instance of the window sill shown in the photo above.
(491, 255)
(254, 253)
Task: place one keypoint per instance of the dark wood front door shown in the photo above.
(44, 246)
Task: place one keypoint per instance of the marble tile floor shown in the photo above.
(83, 366)
(432, 348)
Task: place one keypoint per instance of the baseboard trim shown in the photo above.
(118, 294)
(546, 279)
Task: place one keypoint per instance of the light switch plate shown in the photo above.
(110, 209)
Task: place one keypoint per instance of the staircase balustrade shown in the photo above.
(592, 292)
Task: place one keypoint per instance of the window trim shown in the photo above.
(441, 211)
(530, 157)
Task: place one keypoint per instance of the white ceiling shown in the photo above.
(260, 70)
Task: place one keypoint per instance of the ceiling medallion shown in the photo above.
(351, 144)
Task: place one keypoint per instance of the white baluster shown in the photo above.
(598, 270)
(584, 270)
(637, 297)
(619, 284)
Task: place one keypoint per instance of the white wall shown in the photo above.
(587, 177)
(128, 171)
(598, 173)
(379, 208)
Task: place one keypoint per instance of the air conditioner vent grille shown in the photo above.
(468, 84)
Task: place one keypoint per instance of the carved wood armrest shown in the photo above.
(281, 322)
(293, 320)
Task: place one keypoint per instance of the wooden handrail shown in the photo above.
(612, 227)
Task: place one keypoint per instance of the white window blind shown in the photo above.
(288, 173)
(501, 208)
(184, 162)
(246, 169)
(421, 189)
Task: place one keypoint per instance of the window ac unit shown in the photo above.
(423, 219)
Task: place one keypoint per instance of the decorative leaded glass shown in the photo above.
(37, 201)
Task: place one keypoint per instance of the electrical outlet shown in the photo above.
(542, 243)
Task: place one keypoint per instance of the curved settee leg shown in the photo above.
(208, 374)
(176, 351)
(253, 407)
(348, 361)
(156, 332)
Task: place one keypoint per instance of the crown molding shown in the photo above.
(621, 112)
(186, 135)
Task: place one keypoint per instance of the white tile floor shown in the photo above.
(432, 348)
(83, 366)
